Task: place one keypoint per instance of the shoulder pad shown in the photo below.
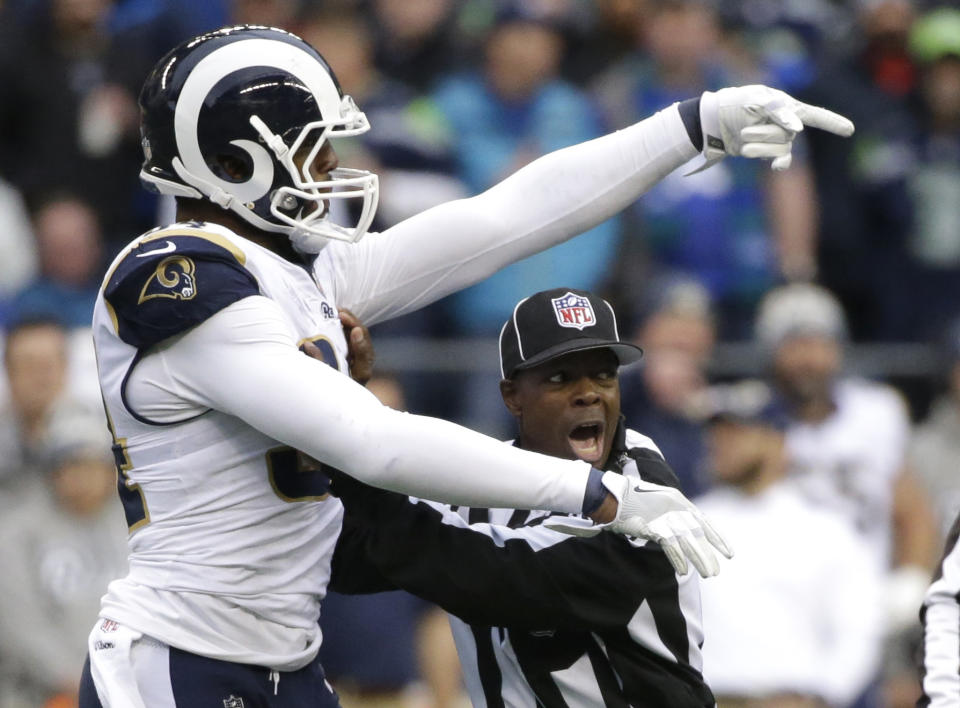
(174, 280)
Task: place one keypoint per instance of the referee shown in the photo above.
(542, 618)
(940, 616)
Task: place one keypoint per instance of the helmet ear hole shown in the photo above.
(289, 204)
(232, 167)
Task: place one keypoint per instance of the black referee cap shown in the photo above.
(556, 322)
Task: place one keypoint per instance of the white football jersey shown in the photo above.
(230, 543)
(196, 331)
(219, 514)
(850, 461)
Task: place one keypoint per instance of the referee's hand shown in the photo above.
(360, 354)
(660, 514)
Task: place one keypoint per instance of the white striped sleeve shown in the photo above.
(941, 631)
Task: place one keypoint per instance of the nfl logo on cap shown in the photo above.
(574, 310)
(579, 321)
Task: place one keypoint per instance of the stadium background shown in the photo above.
(460, 93)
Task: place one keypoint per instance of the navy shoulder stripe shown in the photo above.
(172, 281)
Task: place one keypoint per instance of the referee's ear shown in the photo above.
(508, 391)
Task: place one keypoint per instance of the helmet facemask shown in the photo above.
(291, 204)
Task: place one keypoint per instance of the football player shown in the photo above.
(940, 659)
(198, 328)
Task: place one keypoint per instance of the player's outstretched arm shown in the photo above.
(646, 510)
(560, 195)
(244, 361)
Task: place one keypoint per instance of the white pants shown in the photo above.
(130, 670)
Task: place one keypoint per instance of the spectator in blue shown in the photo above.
(787, 37)
(501, 118)
(737, 229)
(865, 204)
(933, 182)
(69, 248)
(891, 230)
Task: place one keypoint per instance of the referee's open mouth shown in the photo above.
(586, 440)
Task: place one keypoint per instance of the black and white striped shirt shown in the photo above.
(940, 616)
(540, 618)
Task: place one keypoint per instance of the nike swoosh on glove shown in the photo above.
(660, 514)
(758, 121)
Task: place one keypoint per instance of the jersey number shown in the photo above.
(327, 353)
(131, 496)
(295, 477)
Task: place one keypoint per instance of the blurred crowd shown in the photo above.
(858, 242)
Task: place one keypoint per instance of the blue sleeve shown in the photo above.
(595, 493)
(170, 283)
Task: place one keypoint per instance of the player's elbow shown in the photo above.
(372, 456)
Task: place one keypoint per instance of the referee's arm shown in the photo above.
(530, 578)
(940, 616)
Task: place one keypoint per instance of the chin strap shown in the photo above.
(273, 141)
(308, 243)
(215, 194)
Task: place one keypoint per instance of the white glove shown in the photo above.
(905, 589)
(660, 514)
(758, 121)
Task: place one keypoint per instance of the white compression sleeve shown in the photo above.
(549, 201)
(244, 361)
